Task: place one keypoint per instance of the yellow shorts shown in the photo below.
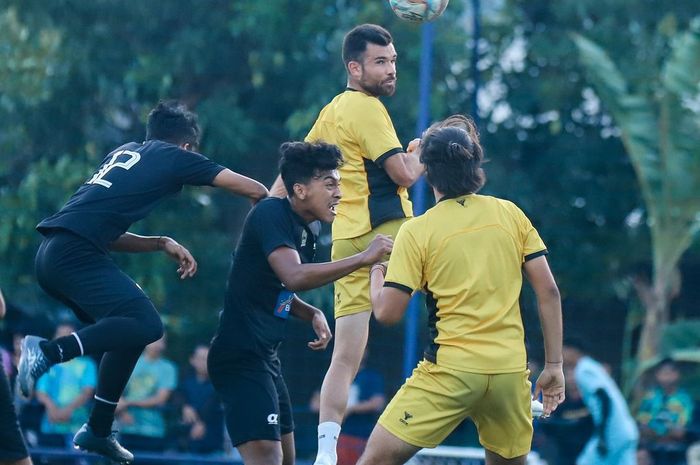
(352, 291)
(434, 400)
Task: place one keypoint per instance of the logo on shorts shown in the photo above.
(406, 416)
(272, 419)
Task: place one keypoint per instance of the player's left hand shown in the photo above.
(188, 265)
(550, 384)
(322, 330)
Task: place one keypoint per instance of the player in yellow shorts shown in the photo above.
(467, 254)
(373, 179)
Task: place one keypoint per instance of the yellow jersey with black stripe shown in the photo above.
(467, 253)
(360, 125)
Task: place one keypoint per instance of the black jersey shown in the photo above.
(257, 305)
(129, 183)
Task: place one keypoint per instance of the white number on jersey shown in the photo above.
(98, 178)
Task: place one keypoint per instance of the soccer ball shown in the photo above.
(418, 11)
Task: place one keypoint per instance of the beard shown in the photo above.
(385, 88)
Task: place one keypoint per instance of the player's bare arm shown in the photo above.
(240, 185)
(388, 303)
(405, 168)
(308, 312)
(297, 276)
(129, 242)
(550, 383)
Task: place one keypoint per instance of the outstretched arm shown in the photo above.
(134, 243)
(240, 185)
(551, 381)
(297, 276)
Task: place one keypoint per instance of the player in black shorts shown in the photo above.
(13, 450)
(272, 261)
(73, 263)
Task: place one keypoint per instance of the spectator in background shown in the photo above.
(141, 409)
(65, 392)
(13, 450)
(569, 428)
(615, 435)
(366, 400)
(664, 415)
(201, 412)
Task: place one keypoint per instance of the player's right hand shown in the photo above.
(413, 145)
(380, 246)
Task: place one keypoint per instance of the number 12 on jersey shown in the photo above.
(98, 178)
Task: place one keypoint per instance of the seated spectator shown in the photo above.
(65, 392)
(366, 400)
(201, 413)
(664, 415)
(141, 408)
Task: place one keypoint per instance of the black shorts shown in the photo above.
(12, 445)
(256, 403)
(85, 278)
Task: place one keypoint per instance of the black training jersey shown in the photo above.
(128, 184)
(257, 305)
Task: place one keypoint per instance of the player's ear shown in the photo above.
(299, 191)
(355, 69)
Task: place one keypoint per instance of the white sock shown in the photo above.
(328, 433)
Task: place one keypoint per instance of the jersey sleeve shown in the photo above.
(375, 132)
(271, 225)
(532, 243)
(406, 263)
(194, 169)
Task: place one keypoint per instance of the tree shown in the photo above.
(659, 121)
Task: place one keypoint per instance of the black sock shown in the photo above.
(102, 417)
(62, 349)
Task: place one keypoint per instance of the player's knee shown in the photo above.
(152, 327)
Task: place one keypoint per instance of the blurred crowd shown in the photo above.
(164, 407)
(663, 426)
(171, 408)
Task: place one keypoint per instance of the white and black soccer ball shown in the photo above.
(418, 11)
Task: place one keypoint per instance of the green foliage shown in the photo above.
(77, 78)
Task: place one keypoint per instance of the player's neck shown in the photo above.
(354, 86)
(298, 208)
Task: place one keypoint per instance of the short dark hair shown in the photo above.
(453, 156)
(301, 161)
(355, 41)
(171, 121)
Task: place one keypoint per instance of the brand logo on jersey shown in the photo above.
(304, 236)
(272, 419)
(406, 416)
(461, 201)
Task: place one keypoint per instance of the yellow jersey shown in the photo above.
(466, 254)
(361, 127)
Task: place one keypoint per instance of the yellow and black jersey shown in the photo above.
(360, 125)
(467, 253)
